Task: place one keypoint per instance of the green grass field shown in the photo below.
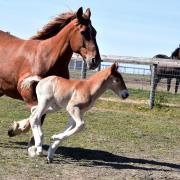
(120, 140)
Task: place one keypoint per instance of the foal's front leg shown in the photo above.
(35, 121)
(75, 125)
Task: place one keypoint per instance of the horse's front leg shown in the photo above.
(177, 85)
(168, 84)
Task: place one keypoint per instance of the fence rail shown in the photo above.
(154, 63)
(137, 60)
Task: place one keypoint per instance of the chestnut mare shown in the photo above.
(47, 53)
(76, 96)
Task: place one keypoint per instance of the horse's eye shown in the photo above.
(84, 33)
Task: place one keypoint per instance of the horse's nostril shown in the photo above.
(93, 60)
(125, 95)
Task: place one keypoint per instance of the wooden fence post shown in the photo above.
(83, 70)
(153, 85)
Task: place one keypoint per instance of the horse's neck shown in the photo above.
(58, 48)
(99, 83)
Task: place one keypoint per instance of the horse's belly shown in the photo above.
(9, 89)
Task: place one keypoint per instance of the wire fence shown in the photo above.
(151, 82)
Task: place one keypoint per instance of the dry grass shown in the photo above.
(120, 140)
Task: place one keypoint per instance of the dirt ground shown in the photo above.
(75, 163)
(96, 160)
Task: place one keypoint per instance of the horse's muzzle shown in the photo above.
(94, 63)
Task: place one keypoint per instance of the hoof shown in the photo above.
(32, 151)
(11, 132)
(14, 130)
(39, 153)
(49, 160)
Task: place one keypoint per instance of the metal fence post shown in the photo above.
(83, 70)
(153, 85)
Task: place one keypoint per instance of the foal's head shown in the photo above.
(83, 39)
(116, 82)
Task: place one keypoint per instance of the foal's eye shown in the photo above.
(116, 80)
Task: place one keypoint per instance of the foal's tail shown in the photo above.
(27, 82)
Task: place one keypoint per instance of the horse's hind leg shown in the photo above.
(168, 84)
(177, 85)
(19, 127)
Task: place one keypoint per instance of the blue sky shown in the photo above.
(127, 28)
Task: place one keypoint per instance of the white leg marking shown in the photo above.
(35, 121)
(75, 124)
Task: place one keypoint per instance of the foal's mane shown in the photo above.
(54, 26)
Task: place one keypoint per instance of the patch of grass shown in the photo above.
(113, 128)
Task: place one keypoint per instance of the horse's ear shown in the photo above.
(88, 13)
(114, 67)
(79, 13)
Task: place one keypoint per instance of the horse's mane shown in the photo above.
(54, 26)
(174, 54)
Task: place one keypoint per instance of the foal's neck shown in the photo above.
(99, 83)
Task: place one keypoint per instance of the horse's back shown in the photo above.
(163, 56)
(6, 37)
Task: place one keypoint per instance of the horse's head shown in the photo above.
(176, 54)
(83, 39)
(117, 84)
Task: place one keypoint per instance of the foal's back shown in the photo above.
(61, 90)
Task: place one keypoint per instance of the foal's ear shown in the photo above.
(88, 13)
(114, 67)
(79, 13)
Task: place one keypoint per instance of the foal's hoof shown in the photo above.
(32, 151)
(49, 160)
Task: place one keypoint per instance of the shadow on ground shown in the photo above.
(92, 158)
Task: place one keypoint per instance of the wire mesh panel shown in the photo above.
(138, 78)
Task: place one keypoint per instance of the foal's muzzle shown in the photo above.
(124, 94)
